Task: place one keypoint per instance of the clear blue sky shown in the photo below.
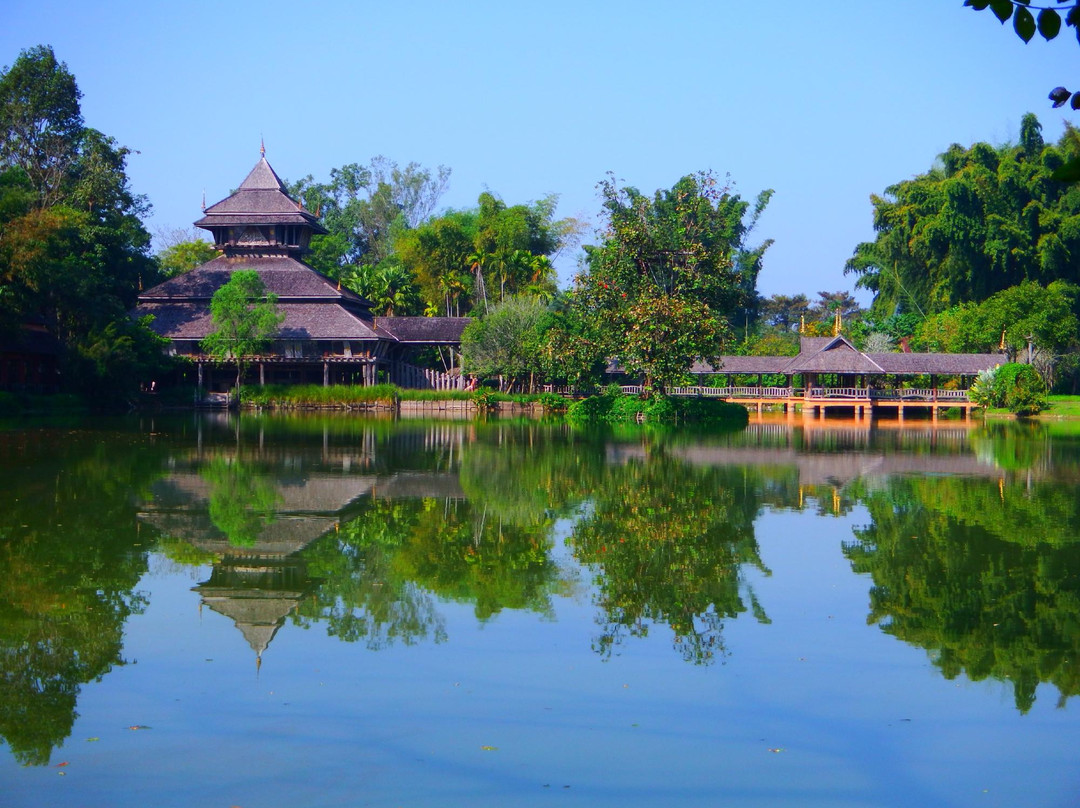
(824, 102)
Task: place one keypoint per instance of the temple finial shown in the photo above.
(204, 199)
(262, 146)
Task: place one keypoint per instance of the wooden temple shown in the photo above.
(329, 334)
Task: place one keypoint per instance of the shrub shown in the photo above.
(1023, 389)
(1017, 387)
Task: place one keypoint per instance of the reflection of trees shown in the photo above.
(242, 500)
(950, 576)
(462, 552)
(383, 568)
(362, 597)
(67, 574)
(670, 540)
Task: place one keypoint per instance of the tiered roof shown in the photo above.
(260, 227)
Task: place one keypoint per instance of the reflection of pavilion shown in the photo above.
(259, 585)
(833, 453)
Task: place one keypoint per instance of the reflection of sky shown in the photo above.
(859, 717)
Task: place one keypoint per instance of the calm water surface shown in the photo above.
(331, 611)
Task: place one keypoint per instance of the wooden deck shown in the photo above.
(860, 401)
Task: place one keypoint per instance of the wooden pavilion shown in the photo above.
(831, 373)
(329, 335)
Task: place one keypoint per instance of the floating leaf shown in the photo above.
(95, 738)
(138, 726)
(489, 748)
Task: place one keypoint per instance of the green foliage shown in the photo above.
(1018, 388)
(184, 256)
(388, 285)
(73, 249)
(1023, 389)
(245, 318)
(506, 341)
(310, 395)
(40, 121)
(108, 365)
(366, 207)
(1046, 315)
(984, 219)
(672, 270)
(616, 407)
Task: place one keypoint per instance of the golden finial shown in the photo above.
(802, 323)
(1001, 347)
(262, 146)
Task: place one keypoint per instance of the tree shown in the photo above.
(390, 286)
(184, 256)
(245, 320)
(73, 249)
(506, 341)
(41, 121)
(981, 220)
(669, 275)
(785, 311)
(366, 208)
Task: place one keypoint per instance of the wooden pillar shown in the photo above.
(262, 374)
(200, 384)
(325, 374)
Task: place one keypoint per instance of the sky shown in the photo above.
(824, 103)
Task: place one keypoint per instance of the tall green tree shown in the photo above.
(670, 275)
(41, 121)
(245, 318)
(981, 220)
(366, 207)
(73, 249)
(506, 341)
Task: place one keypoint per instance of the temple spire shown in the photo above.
(262, 146)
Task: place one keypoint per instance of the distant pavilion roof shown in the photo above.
(838, 355)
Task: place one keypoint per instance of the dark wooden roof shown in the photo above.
(284, 276)
(425, 330)
(303, 321)
(838, 355)
(260, 199)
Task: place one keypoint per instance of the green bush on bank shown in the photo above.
(1016, 387)
(614, 407)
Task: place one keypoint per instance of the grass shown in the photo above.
(344, 396)
(1062, 407)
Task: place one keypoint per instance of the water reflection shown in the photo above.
(366, 529)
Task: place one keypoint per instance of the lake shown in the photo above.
(330, 610)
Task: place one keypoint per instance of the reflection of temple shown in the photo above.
(256, 592)
(303, 498)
